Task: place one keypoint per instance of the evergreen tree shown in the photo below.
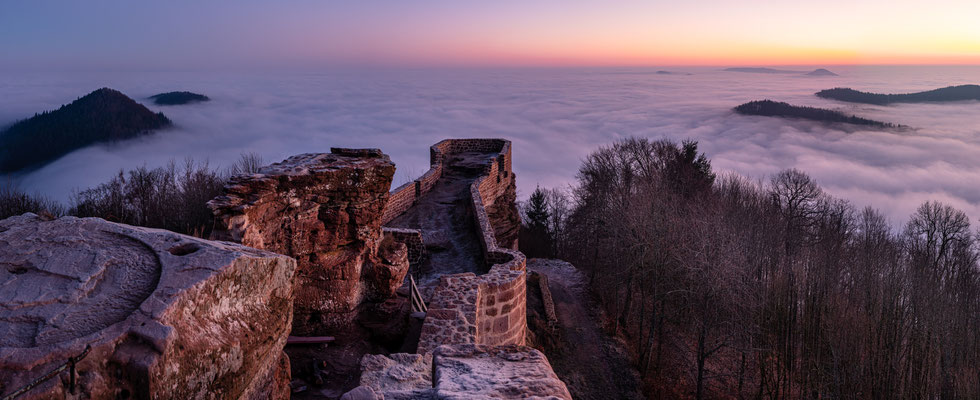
(536, 238)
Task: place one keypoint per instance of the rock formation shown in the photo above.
(461, 371)
(164, 315)
(325, 211)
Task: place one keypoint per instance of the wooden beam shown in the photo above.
(309, 339)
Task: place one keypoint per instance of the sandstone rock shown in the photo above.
(400, 376)
(324, 210)
(464, 371)
(501, 372)
(166, 315)
(384, 277)
(362, 393)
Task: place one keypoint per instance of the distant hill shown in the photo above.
(771, 108)
(821, 72)
(762, 70)
(104, 115)
(177, 98)
(950, 93)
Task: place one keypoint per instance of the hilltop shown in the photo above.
(105, 115)
(949, 93)
(821, 72)
(753, 70)
(771, 108)
(178, 98)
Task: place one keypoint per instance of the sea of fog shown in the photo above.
(555, 118)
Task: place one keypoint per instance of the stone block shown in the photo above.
(166, 316)
(504, 372)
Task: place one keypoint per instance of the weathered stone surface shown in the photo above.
(166, 315)
(502, 372)
(362, 393)
(504, 217)
(324, 210)
(400, 376)
(464, 371)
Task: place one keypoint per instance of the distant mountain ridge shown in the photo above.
(177, 98)
(755, 70)
(821, 72)
(771, 108)
(105, 115)
(949, 93)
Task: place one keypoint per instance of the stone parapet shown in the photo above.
(495, 300)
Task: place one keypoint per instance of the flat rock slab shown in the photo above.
(461, 371)
(399, 376)
(166, 315)
(495, 372)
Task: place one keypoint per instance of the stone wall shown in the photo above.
(325, 210)
(403, 197)
(487, 309)
(400, 200)
(411, 238)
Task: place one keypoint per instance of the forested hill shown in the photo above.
(949, 93)
(104, 115)
(177, 98)
(771, 108)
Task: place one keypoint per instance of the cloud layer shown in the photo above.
(555, 117)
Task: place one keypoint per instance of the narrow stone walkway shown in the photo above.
(445, 218)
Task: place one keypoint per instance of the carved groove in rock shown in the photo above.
(119, 274)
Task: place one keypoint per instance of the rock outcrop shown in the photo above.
(462, 371)
(501, 372)
(324, 210)
(164, 315)
(399, 376)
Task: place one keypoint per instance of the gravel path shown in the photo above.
(446, 220)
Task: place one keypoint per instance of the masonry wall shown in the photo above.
(403, 197)
(487, 309)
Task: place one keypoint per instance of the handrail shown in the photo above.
(418, 304)
(70, 365)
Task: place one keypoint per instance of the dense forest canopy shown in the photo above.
(771, 108)
(104, 115)
(950, 93)
(177, 98)
(724, 287)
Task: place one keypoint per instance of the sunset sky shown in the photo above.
(191, 34)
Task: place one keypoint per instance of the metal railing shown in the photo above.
(69, 365)
(418, 304)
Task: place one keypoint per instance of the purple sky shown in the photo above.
(220, 34)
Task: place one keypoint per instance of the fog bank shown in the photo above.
(555, 117)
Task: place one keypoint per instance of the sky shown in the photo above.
(221, 34)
